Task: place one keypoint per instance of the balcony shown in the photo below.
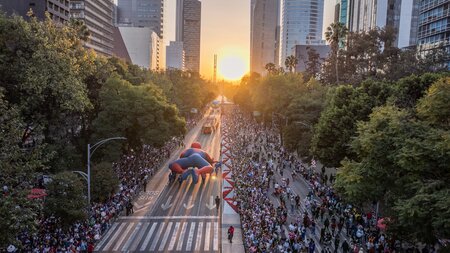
(432, 32)
(444, 14)
(426, 7)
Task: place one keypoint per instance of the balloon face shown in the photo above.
(196, 145)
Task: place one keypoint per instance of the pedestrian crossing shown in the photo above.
(161, 236)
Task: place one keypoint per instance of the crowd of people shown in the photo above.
(133, 170)
(275, 218)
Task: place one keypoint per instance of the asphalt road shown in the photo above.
(184, 217)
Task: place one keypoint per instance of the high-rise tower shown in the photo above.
(264, 37)
(188, 27)
(301, 24)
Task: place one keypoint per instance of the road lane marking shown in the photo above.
(167, 217)
(157, 236)
(191, 235)
(216, 236)
(139, 236)
(113, 239)
(166, 235)
(147, 238)
(207, 236)
(199, 236)
(124, 235)
(181, 239)
(132, 236)
(105, 237)
(174, 236)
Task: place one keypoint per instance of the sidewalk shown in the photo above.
(230, 217)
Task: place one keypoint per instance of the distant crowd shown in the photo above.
(275, 218)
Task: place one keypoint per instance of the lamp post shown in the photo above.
(90, 152)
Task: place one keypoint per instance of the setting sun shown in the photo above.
(232, 68)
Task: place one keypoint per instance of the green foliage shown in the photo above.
(104, 181)
(303, 113)
(345, 106)
(434, 107)
(139, 113)
(403, 162)
(65, 198)
(291, 62)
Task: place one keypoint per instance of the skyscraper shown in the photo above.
(98, 17)
(188, 27)
(301, 24)
(263, 34)
(434, 25)
(58, 9)
(175, 55)
(399, 14)
(142, 13)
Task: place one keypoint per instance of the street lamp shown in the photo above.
(89, 154)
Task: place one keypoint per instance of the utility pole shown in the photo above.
(215, 68)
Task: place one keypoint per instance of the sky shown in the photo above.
(226, 32)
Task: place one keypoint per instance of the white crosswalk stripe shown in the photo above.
(119, 242)
(157, 236)
(190, 237)
(113, 238)
(181, 239)
(174, 236)
(216, 237)
(199, 236)
(149, 235)
(166, 236)
(207, 235)
(161, 236)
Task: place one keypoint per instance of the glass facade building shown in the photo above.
(434, 24)
(301, 24)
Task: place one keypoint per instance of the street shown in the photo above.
(182, 218)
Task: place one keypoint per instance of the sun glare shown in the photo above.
(232, 68)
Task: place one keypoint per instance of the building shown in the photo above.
(175, 55)
(142, 46)
(434, 24)
(301, 53)
(119, 48)
(364, 15)
(142, 13)
(301, 24)
(341, 11)
(188, 28)
(263, 34)
(58, 10)
(98, 17)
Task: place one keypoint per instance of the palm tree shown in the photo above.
(291, 62)
(335, 33)
(271, 68)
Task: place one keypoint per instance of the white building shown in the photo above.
(143, 46)
(402, 15)
(301, 24)
(175, 55)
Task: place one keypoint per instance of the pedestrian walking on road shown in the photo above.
(230, 234)
(217, 200)
(345, 247)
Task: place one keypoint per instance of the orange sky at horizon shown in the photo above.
(225, 31)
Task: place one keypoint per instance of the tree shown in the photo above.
(313, 63)
(271, 68)
(139, 113)
(335, 33)
(303, 113)
(19, 166)
(291, 62)
(65, 198)
(104, 181)
(344, 107)
(434, 107)
(403, 163)
(81, 29)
